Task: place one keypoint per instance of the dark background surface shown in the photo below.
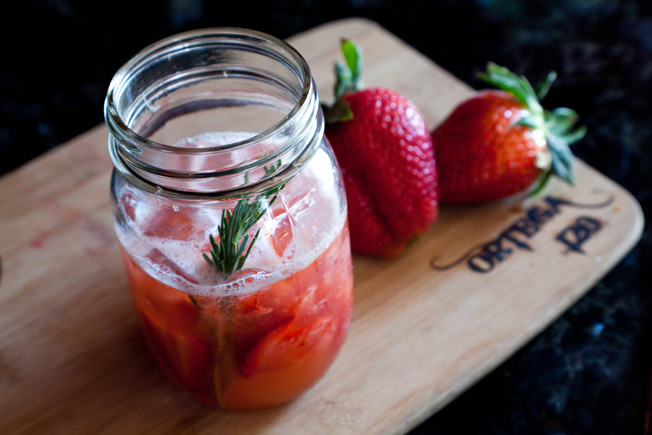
(589, 372)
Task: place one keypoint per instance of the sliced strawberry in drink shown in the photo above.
(282, 365)
(171, 324)
(251, 305)
(279, 296)
(257, 314)
(184, 357)
(289, 345)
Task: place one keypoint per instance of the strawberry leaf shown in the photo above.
(541, 182)
(343, 81)
(340, 111)
(542, 88)
(353, 58)
(574, 136)
(561, 158)
(348, 74)
(560, 120)
(518, 86)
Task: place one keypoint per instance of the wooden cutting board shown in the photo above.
(427, 324)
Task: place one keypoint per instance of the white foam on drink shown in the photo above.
(315, 218)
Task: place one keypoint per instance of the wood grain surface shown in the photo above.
(427, 324)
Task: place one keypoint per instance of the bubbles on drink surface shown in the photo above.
(168, 236)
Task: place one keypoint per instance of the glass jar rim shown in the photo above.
(240, 38)
(115, 120)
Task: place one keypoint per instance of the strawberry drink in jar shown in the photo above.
(231, 215)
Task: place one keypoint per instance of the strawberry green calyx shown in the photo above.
(348, 78)
(556, 125)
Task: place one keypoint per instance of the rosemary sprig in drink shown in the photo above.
(230, 252)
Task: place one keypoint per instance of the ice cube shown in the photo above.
(173, 270)
(280, 235)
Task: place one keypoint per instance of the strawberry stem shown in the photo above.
(348, 78)
(348, 75)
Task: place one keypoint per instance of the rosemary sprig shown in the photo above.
(229, 253)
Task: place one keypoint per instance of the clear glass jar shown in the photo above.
(200, 123)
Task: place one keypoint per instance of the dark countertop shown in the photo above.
(587, 373)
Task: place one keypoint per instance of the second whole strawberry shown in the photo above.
(384, 149)
(501, 142)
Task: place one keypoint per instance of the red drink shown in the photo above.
(250, 350)
(268, 332)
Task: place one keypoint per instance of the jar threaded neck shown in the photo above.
(222, 80)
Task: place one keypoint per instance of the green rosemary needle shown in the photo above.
(229, 253)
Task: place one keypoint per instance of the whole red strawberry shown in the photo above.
(501, 142)
(384, 149)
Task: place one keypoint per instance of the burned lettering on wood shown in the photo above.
(579, 232)
(485, 256)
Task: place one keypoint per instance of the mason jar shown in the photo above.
(231, 215)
